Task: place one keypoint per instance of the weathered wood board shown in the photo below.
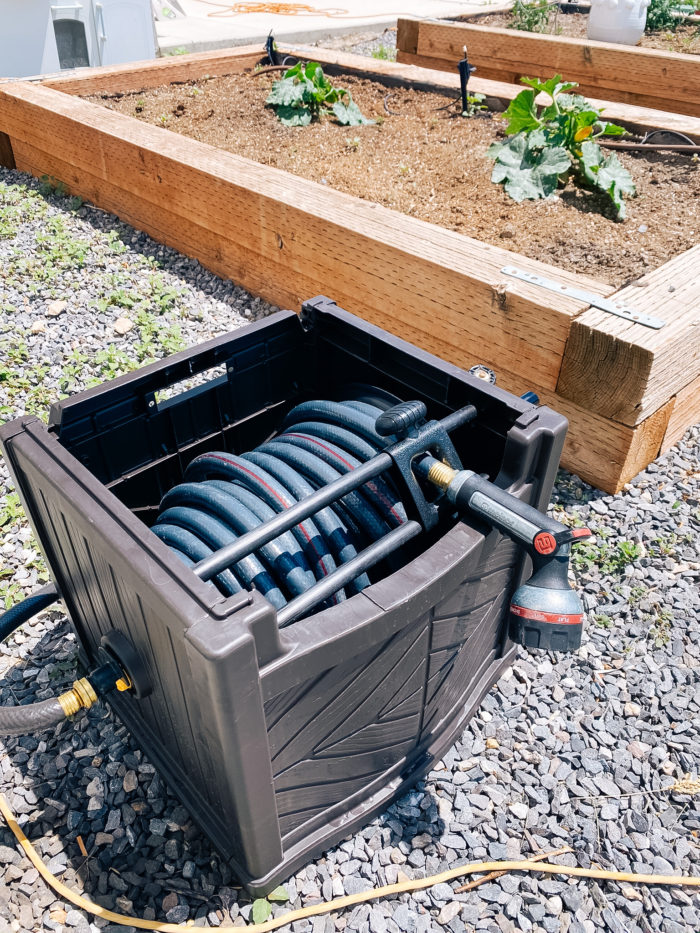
(646, 77)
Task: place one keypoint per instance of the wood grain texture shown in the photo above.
(7, 156)
(271, 232)
(646, 77)
(136, 76)
(626, 371)
(685, 412)
(601, 451)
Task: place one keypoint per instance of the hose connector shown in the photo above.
(81, 696)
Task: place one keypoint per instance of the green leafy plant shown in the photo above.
(475, 103)
(262, 908)
(304, 93)
(548, 147)
(384, 53)
(530, 15)
(660, 16)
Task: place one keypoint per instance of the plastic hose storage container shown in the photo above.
(280, 741)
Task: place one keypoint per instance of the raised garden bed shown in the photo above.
(572, 21)
(647, 77)
(418, 159)
(628, 391)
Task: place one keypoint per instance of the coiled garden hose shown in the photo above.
(35, 717)
(225, 495)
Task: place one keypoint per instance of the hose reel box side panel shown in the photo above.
(113, 574)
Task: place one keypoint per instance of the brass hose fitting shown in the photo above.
(441, 475)
(81, 696)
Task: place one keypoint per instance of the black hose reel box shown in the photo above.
(280, 740)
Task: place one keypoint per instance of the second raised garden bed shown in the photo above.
(665, 80)
(628, 391)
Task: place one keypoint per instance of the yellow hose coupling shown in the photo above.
(81, 696)
(441, 474)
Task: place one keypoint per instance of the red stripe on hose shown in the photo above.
(333, 453)
(277, 496)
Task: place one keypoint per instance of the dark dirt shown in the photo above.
(420, 160)
(685, 38)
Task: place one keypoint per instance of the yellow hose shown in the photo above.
(340, 902)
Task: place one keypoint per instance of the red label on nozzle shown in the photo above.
(536, 615)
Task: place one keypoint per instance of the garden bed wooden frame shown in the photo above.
(629, 392)
(645, 77)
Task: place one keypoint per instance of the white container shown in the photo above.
(620, 21)
(40, 36)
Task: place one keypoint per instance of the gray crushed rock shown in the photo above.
(576, 750)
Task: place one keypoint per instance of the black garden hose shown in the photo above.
(35, 717)
(225, 495)
(23, 611)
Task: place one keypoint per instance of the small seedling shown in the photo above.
(262, 908)
(384, 53)
(304, 93)
(548, 147)
(530, 16)
(475, 103)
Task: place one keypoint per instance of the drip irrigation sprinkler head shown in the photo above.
(465, 72)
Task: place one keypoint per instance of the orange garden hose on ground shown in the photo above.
(339, 903)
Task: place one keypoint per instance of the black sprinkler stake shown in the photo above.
(465, 71)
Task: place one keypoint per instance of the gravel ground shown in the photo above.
(574, 750)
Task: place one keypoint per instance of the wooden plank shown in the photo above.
(601, 451)
(389, 268)
(686, 412)
(136, 76)
(7, 157)
(646, 77)
(499, 93)
(624, 370)
(407, 34)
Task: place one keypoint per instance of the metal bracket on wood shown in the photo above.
(597, 301)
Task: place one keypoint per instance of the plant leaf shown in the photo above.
(554, 86)
(261, 910)
(285, 92)
(294, 116)
(612, 129)
(606, 173)
(349, 114)
(521, 113)
(280, 894)
(528, 174)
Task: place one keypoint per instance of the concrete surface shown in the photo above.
(212, 24)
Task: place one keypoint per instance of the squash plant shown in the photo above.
(304, 93)
(548, 147)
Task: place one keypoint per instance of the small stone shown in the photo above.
(492, 743)
(130, 782)
(448, 913)
(123, 325)
(38, 326)
(56, 307)
(632, 709)
(519, 810)
(74, 918)
(507, 233)
(9, 856)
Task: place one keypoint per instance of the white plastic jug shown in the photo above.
(620, 21)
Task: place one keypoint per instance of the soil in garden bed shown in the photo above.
(686, 38)
(420, 160)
